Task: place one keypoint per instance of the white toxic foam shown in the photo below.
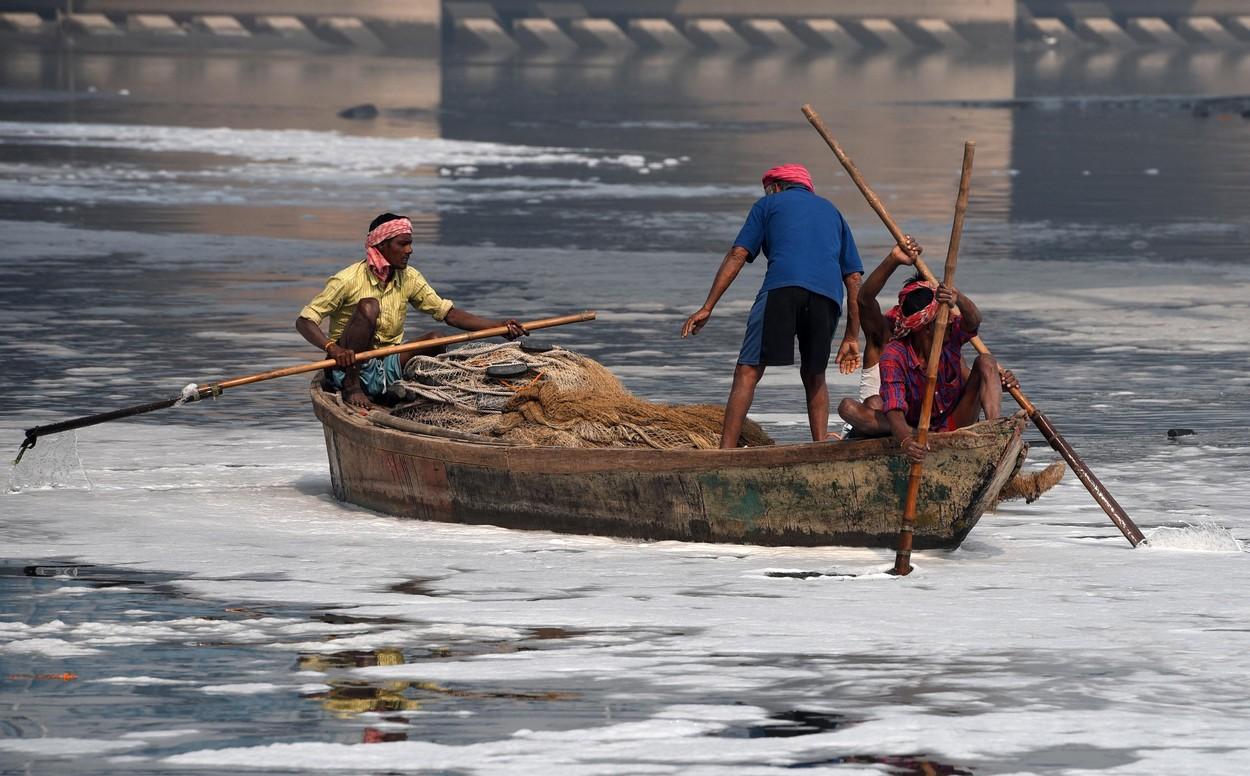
(1205, 536)
(328, 152)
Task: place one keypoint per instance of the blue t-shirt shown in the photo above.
(805, 239)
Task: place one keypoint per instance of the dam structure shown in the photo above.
(492, 29)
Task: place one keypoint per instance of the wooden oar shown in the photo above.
(1052, 435)
(902, 558)
(215, 389)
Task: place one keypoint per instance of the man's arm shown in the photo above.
(848, 358)
(463, 319)
(894, 404)
(730, 266)
(903, 436)
(971, 315)
(876, 328)
(312, 332)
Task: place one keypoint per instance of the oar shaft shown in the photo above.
(33, 434)
(407, 347)
(103, 417)
(1061, 446)
(902, 557)
(1087, 478)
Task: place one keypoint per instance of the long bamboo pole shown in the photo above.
(1052, 435)
(902, 558)
(215, 389)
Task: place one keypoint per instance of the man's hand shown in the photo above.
(848, 359)
(1009, 380)
(515, 329)
(908, 252)
(947, 295)
(343, 357)
(914, 451)
(695, 323)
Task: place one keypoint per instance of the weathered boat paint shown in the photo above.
(844, 493)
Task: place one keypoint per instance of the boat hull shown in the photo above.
(845, 493)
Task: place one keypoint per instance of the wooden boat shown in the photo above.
(842, 493)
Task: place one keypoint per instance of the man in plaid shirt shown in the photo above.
(958, 399)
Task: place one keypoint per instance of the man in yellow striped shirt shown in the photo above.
(366, 304)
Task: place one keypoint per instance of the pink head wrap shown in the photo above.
(904, 325)
(377, 262)
(790, 173)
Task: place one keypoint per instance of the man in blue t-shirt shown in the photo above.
(811, 256)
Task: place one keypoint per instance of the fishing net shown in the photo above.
(52, 463)
(550, 397)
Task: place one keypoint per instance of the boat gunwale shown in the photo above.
(569, 459)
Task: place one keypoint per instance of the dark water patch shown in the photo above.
(165, 681)
(544, 634)
(790, 724)
(95, 577)
(415, 586)
(806, 574)
(336, 618)
(1200, 107)
(724, 594)
(898, 765)
(53, 570)
(565, 596)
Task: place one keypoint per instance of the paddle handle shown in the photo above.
(452, 339)
(215, 389)
(902, 555)
(1096, 489)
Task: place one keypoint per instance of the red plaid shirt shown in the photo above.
(903, 377)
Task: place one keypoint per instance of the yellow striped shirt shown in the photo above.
(344, 291)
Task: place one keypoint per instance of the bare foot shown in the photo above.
(355, 397)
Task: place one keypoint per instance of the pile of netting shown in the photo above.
(550, 397)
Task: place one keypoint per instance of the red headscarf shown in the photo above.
(385, 231)
(790, 173)
(904, 325)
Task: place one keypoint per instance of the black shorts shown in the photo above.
(783, 314)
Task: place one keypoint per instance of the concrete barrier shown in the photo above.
(657, 34)
(1239, 26)
(1049, 30)
(825, 33)
(599, 34)
(541, 35)
(91, 25)
(483, 33)
(1152, 30)
(288, 28)
(219, 25)
(882, 33)
(1104, 32)
(417, 26)
(1205, 30)
(27, 23)
(934, 33)
(714, 34)
(154, 24)
(348, 31)
(769, 33)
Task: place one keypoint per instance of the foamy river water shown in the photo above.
(190, 598)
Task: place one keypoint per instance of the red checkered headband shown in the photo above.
(393, 228)
(790, 173)
(906, 324)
